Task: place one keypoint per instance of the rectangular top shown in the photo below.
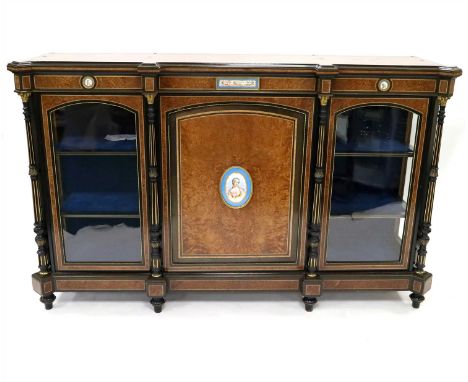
(236, 59)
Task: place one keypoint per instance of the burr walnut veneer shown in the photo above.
(159, 172)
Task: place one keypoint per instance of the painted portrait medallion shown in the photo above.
(236, 187)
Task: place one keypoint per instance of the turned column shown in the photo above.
(155, 226)
(314, 225)
(40, 228)
(425, 225)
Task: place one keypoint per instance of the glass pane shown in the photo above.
(371, 182)
(370, 186)
(364, 240)
(97, 173)
(99, 184)
(94, 127)
(102, 240)
(376, 129)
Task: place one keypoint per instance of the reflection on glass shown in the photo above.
(376, 129)
(102, 240)
(371, 182)
(94, 127)
(364, 240)
(97, 171)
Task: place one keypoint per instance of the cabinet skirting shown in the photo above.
(222, 282)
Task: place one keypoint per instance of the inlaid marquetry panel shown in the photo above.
(73, 82)
(235, 285)
(398, 85)
(301, 84)
(269, 143)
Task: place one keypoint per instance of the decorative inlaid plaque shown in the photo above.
(237, 83)
(236, 187)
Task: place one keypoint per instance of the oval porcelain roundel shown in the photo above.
(236, 187)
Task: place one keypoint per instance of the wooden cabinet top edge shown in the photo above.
(155, 63)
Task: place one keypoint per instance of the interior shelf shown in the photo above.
(84, 203)
(81, 143)
(389, 146)
(367, 202)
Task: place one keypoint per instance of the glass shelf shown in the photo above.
(368, 205)
(87, 144)
(373, 147)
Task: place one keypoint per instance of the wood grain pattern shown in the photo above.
(210, 144)
(443, 86)
(96, 285)
(234, 285)
(312, 290)
(17, 82)
(396, 284)
(209, 83)
(153, 290)
(176, 102)
(47, 287)
(417, 286)
(399, 85)
(149, 84)
(37, 285)
(46, 82)
(73, 82)
(118, 82)
(26, 82)
(326, 86)
(288, 84)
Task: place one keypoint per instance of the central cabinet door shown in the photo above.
(236, 184)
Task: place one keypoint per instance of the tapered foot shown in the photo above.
(48, 301)
(157, 303)
(417, 299)
(309, 303)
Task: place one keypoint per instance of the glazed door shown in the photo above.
(95, 155)
(374, 155)
(236, 176)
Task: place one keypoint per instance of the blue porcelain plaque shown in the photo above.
(236, 187)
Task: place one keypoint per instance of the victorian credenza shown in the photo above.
(167, 172)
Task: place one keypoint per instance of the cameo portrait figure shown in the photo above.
(236, 187)
(235, 193)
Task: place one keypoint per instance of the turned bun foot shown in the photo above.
(417, 299)
(157, 303)
(48, 301)
(309, 303)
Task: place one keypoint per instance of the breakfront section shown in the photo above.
(156, 173)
